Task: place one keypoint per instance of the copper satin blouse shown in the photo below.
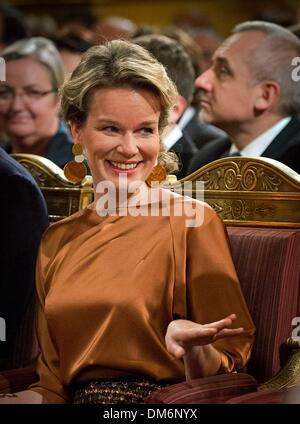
(109, 286)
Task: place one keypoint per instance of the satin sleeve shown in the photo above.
(49, 384)
(214, 292)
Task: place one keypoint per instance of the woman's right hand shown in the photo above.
(182, 335)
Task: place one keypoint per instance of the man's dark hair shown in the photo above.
(174, 58)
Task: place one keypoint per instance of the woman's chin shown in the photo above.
(20, 131)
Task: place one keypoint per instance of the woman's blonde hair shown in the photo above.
(118, 64)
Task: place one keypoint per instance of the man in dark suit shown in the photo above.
(251, 93)
(23, 219)
(200, 132)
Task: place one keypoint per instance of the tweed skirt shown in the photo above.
(125, 391)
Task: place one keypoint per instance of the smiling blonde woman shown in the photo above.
(128, 304)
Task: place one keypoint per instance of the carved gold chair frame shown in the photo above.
(63, 197)
(247, 191)
(258, 192)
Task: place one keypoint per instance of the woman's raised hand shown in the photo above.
(182, 335)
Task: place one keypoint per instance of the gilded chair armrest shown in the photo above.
(289, 375)
(214, 389)
(17, 379)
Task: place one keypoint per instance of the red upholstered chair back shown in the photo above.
(268, 264)
(259, 201)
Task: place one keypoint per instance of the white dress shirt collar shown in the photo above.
(257, 146)
(187, 115)
(174, 135)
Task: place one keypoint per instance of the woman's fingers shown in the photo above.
(228, 332)
(174, 348)
(222, 323)
(183, 334)
(196, 334)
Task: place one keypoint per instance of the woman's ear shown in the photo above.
(75, 132)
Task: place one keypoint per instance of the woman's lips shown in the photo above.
(19, 120)
(123, 167)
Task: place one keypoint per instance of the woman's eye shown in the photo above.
(110, 129)
(33, 93)
(5, 94)
(147, 130)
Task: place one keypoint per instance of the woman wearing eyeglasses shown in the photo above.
(29, 102)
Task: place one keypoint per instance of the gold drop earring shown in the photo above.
(75, 170)
(158, 175)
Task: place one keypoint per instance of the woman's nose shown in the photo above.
(17, 102)
(128, 145)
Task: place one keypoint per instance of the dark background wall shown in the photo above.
(222, 14)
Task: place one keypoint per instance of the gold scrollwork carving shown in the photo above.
(232, 179)
(242, 209)
(249, 179)
(241, 176)
(211, 180)
(268, 182)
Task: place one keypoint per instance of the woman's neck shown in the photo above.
(117, 200)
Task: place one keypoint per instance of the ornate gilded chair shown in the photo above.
(63, 197)
(259, 201)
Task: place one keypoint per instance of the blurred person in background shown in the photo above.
(180, 70)
(208, 40)
(202, 31)
(112, 28)
(71, 44)
(250, 92)
(12, 26)
(23, 219)
(200, 132)
(41, 25)
(29, 101)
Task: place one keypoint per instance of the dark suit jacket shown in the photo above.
(285, 148)
(185, 150)
(23, 219)
(202, 133)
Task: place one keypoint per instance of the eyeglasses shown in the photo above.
(29, 95)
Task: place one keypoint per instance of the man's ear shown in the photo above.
(178, 109)
(269, 92)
